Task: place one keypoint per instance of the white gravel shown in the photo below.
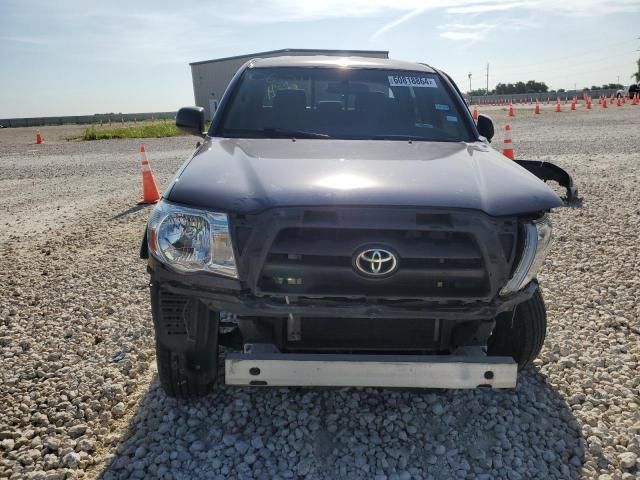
(77, 385)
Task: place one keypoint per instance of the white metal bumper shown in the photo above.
(407, 371)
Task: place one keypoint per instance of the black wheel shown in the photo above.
(186, 344)
(520, 333)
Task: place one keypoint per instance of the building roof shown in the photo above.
(339, 62)
(284, 51)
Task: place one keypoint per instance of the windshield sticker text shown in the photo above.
(439, 106)
(411, 81)
(452, 118)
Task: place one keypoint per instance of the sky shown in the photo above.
(78, 57)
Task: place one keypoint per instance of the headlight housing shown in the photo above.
(537, 241)
(189, 239)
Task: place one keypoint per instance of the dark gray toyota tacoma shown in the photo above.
(346, 223)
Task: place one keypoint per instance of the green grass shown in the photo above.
(138, 130)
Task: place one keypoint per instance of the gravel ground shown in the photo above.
(78, 386)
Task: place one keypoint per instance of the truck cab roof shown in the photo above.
(327, 61)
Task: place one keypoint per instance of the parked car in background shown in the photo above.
(629, 92)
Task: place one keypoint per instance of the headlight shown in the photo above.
(189, 239)
(537, 240)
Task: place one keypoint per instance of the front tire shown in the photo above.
(520, 333)
(186, 332)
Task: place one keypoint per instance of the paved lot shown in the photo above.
(78, 389)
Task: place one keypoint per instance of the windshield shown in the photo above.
(344, 104)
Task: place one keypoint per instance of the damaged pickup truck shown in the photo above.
(346, 223)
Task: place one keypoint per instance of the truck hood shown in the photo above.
(250, 175)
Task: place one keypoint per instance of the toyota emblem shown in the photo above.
(375, 262)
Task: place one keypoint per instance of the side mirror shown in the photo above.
(191, 120)
(485, 126)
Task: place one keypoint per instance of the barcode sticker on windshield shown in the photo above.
(411, 81)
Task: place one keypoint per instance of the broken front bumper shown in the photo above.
(226, 295)
(547, 171)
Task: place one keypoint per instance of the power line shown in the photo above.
(599, 60)
(588, 53)
(523, 70)
(519, 68)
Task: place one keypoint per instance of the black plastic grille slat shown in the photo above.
(293, 270)
(409, 244)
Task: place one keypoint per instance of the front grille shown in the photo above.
(307, 261)
(442, 256)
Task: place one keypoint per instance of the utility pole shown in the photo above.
(469, 81)
(487, 79)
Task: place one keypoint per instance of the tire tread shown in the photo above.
(524, 339)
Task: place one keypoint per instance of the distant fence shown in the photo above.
(84, 119)
(517, 97)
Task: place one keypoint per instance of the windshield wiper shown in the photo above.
(284, 132)
(399, 137)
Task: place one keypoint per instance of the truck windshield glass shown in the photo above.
(341, 103)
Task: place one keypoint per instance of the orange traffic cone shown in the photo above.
(150, 193)
(507, 151)
(475, 114)
(101, 126)
(619, 102)
(588, 104)
(604, 102)
(573, 105)
(537, 110)
(39, 137)
(558, 107)
(511, 112)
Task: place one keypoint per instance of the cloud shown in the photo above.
(404, 18)
(470, 9)
(470, 33)
(158, 33)
(24, 40)
(472, 36)
(494, 7)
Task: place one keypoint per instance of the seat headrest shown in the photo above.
(330, 106)
(371, 101)
(290, 99)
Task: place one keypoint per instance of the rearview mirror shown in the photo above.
(485, 126)
(191, 120)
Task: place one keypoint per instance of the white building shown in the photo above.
(211, 77)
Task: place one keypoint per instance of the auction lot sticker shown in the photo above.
(411, 81)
